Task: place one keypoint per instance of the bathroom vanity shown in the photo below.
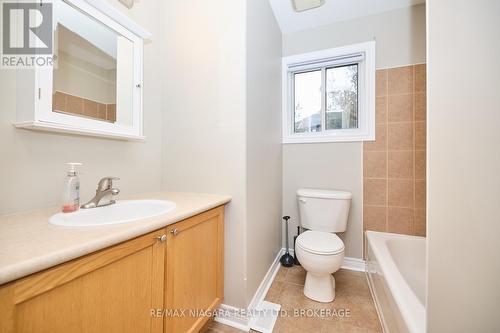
(155, 275)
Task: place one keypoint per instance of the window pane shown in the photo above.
(307, 99)
(341, 97)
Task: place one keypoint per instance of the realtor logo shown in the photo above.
(26, 34)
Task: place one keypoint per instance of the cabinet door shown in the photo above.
(194, 270)
(113, 290)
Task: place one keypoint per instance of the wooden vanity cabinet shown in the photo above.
(116, 289)
(111, 290)
(194, 270)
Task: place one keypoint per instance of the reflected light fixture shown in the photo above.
(303, 5)
(127, 3)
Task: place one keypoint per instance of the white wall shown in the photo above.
(263, 117)
(326, 166)
(32, 166)
(400, 36)
(463, 80)
(204, 128)
(221, 125)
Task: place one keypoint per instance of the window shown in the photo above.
(329, 95)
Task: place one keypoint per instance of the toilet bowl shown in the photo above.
(319, 250)
(321, 254)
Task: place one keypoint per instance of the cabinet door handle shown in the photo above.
(175, 232)
(162, 238)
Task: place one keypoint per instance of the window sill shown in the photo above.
(327, 138)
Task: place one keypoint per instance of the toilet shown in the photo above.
(319, 250)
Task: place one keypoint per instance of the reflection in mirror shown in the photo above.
(93, 72)
(84, 78)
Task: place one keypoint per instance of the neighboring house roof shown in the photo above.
(311, 121)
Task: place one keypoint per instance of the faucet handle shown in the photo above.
(108, 181)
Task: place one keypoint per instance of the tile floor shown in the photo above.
(352, 293)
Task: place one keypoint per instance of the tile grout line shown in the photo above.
(387, 154)
(414, 154)
(395, 150)
(396, 179)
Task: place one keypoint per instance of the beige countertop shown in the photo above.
(29, 243)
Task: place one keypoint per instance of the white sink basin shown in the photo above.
(122, 212)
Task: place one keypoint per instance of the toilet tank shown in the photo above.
(324, 210)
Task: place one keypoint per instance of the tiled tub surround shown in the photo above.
(67, 103)
(394, 164)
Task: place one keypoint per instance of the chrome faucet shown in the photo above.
(104, 194)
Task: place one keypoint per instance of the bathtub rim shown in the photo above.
(409, 305)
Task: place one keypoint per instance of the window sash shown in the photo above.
(307, 66)
(323, 67)
(358, 95)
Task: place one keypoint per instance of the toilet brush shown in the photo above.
(286, 259)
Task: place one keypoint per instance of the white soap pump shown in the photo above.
(71, 191)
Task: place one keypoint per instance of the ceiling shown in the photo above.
(332, 11)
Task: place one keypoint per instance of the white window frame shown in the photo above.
(362, 54)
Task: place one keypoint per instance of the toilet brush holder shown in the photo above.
(287, 260)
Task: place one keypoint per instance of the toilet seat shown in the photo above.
(319, 242)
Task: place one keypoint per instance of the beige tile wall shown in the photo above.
(394, 164)
(66, 103)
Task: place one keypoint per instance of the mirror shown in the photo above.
(94, 86)
(93, 72)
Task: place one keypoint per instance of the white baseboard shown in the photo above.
(239, 320)
(354, 264)
(244, 322)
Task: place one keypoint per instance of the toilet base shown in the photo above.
(320, 288)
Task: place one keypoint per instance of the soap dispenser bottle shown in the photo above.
(71, 191)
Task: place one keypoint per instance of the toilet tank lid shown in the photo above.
(324, 194)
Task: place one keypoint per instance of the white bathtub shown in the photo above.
(396, 267)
